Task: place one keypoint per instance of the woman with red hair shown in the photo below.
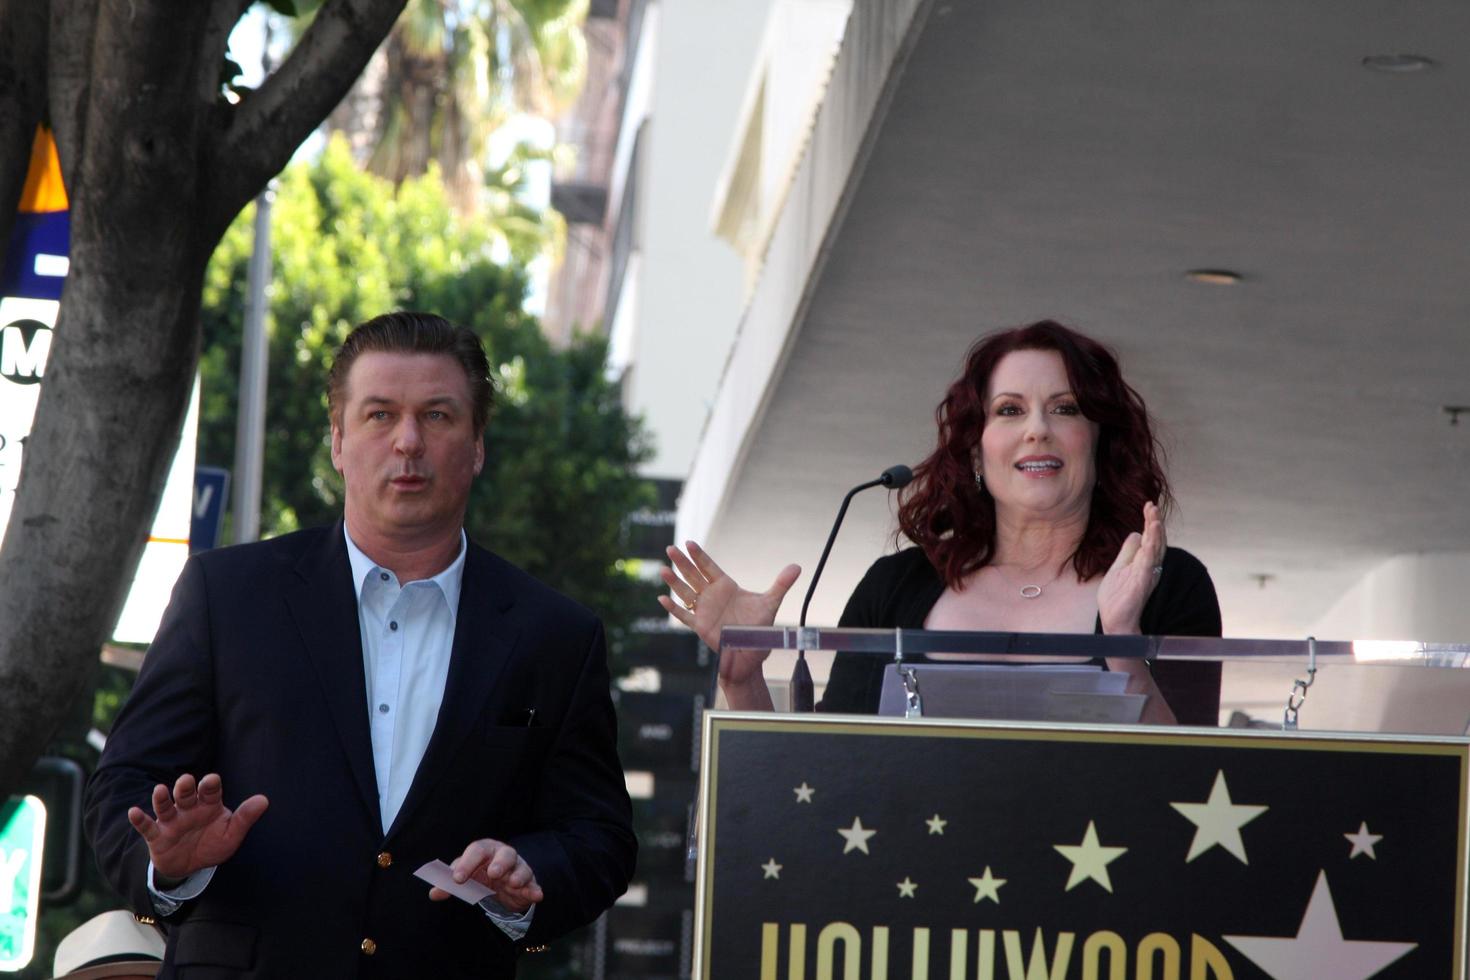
(1041, 509)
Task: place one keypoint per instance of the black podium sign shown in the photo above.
(870, 850)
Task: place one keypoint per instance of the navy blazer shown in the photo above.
(257, 673)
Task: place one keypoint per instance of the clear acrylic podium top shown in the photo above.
(1399, 687)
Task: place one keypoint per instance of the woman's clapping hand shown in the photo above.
(1131, 580)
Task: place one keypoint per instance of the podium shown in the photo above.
(857, 847)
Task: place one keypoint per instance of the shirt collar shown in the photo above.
(448, 580)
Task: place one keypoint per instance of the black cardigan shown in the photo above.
(899, 590)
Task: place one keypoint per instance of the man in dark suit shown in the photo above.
(365, 699)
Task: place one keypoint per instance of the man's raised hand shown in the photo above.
(191, 828)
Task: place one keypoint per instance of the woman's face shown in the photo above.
(1037, 451)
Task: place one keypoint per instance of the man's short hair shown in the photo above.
(403, 332)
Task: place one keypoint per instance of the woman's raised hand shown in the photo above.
(1128, 584)
(707, 600)
(1120, 600)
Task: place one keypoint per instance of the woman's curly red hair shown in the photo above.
(953, 520)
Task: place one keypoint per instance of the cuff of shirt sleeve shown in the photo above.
(169, 902)
(513, 925)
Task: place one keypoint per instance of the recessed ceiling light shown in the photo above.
(1399, 63)
(1214, 277)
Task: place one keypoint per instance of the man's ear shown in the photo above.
(479, 454)
(336, 447)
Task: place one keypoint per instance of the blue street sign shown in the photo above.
(211, 493)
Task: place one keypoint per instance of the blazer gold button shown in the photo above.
(385, 860)
(369, 947)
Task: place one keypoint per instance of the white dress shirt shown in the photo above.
(407, 636)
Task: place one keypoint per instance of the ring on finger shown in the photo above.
(691, 604)
(1158, 569)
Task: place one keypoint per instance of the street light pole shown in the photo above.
(254, 366)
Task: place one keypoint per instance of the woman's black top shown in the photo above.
(899, 590)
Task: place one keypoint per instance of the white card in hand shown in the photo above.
(437, 873)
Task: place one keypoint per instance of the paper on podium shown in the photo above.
(1015, 692)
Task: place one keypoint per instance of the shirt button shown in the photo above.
(393, 625)
(383, 576)
(368, 947)
(382, 709)
(385, 860)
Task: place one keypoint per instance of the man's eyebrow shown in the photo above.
(431, 400)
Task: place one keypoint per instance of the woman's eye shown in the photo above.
(1067, 408)
(1009, 408)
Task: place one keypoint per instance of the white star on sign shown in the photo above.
(907, 887)
(1363, 841)
(1318, 949)
(856, 836)
(1218, 821)
(987, 887)
(772, 869)
(803, 792)
(1089, 859)
(936, 825)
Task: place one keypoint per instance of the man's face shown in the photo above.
(406, 445)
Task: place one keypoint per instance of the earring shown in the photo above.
(979, 480)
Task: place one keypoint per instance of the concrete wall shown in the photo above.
(689, 293)
(1408, 597)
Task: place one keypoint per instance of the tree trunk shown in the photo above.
(107, 423)
(156, 167)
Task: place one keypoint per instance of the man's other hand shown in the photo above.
(498, 867)
(191, 828)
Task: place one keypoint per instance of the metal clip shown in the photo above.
(913, 700)
(1298, 695)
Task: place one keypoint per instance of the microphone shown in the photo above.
(803, 694)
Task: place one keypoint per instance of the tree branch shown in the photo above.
(22, 100)
(223, 16)
(68, 78)
(266, 128)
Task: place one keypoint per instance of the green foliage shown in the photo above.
(559, 476)
(555, 494)
(455, 70)
(522, 230)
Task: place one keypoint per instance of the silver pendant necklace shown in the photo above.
(1028, 591)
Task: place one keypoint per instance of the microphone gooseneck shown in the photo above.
(803, 694)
